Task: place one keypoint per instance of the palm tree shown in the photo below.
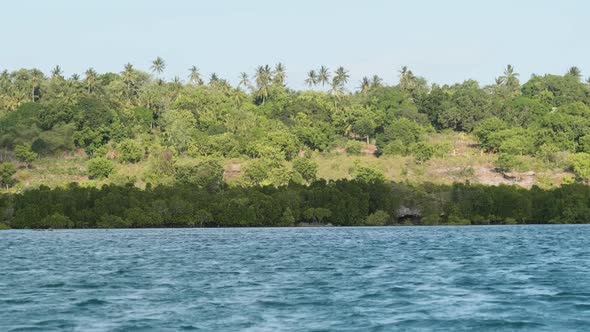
(238, 97)
(263, 78)
(128, 75)
(312, 78)
(376, 81)
(341, 76)
(510, 78)
(575, 72)
(56, 72)
(36, 77)
(244, 80)
(499, 80)
(75, 77)
(323, 75)
(194, 76)
(336, 89)
(213, 79)
(158, 66)
(365, 85)
(279, 74)
(406, 78)
(91, 77)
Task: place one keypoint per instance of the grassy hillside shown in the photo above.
(464, 162)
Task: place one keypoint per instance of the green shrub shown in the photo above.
(369, 175)
(395, 148)
(584, 144)
(507, 162)
(378, 218)
(257, 171)
(7, 171)
(25, 154)
(280, 176)
(130, 151)
(354, 148)
(307, 168)
(100, 168)
(57, 221)
(207, 174)
(422, 152)
(580, 163)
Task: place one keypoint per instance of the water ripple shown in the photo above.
(297, 279)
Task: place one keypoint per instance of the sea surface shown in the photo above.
(496, 278)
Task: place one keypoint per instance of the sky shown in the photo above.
(444, 41)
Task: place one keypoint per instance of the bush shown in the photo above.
(395, 148)
(580, 163)
(506, 163)
(404, 130)
(422, 152)
(207, 174)
(307, 168)
(25, 154)
(130, 151)
(584, 144)
(100, 168)
(369, 175)
(57, 221)
(486, 128)
(280, 176)
(256, 171)
(354, 147)
(378, 218)
(161, 162)
(7, 171)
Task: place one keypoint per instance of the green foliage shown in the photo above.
(369, 175)
(354, 147)
(25, 154)
(7, 171)
(395, 148)
(340, 203)
(180, 128)
(257, 171)
(378, 218)
(100, 168)
(580, 163)
(316, 215)
(161, 162)
(365, 127)
(402, 131)
(130, 151)
(507, 163)
(584, 143)
(487, 128)
(307, 168)
(422, 151)
(266, 124)
(207, 174)
(280, 176)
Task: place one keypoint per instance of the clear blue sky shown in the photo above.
(445, 41)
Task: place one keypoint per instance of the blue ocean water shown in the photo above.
(297, 279)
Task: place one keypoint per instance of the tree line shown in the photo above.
(133, 116)
(359, 202)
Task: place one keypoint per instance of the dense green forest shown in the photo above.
(265, 139)
(134, 117)
(367, 201)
